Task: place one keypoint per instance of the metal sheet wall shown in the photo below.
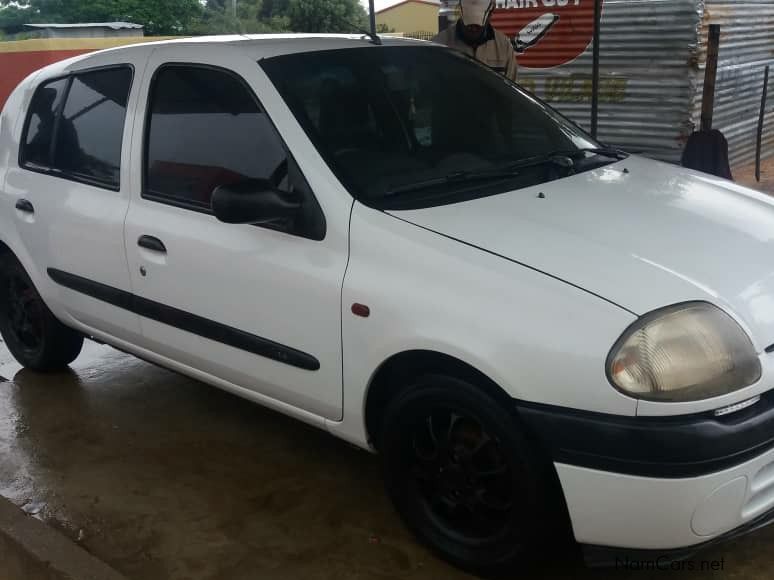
(746, 47)
(648, 56)
(652, 67)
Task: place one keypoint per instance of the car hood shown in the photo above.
(638, 233)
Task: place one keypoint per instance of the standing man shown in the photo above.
(473, 35)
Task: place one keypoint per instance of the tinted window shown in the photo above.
(91, 130)
(206, 130)
(81, 139)
(414, 123)
(40, 124)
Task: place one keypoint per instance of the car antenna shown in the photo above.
(374, 38)
(370, 34)
(372, 22)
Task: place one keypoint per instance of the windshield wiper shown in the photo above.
(566, 158)
(562, 159)
(456, 177)
(604, 151)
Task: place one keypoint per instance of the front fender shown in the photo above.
(539, 339)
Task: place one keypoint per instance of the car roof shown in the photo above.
(258, 46)
(255, 46)
(278, 44)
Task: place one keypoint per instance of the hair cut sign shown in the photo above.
(546, 33)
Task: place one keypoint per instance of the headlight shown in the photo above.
(686, 352)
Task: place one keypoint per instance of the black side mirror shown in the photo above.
(253, 201)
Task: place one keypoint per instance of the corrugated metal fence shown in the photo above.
(652, 70)
(647, 55)
(746, 47)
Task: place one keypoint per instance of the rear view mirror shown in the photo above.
(253, 201)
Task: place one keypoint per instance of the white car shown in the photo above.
(395, 244)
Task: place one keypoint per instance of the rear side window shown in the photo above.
(81, 138)
(205, 129)
(91, 130)
(39, 139)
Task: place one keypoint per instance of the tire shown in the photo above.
(464, 478)
(34, 336)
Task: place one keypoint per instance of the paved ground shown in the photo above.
(167, 479)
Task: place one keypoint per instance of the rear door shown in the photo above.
(256, 306)
(71, 190)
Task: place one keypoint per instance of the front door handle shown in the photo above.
(151, 243)
(25, 205)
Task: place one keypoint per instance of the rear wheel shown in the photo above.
(32, 333)
(463, 477)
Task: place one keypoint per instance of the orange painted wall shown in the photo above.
(15, 66)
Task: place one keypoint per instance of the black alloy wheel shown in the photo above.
(34, 336)
(464, 477)
(24, 313)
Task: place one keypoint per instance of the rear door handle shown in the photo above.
(151, 243)
(25, 206)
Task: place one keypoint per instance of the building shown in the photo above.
(88, 30)
(415, 18)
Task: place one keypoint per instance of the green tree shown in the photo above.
(216, 4)
(12, 18)
(158, 17)
(325, 15)
(275, 8)
(252, 18)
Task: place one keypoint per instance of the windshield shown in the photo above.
(417, 126)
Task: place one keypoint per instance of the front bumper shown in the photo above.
(667, 486)
(604, 556)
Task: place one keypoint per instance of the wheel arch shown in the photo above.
(23, 259)
(387, 381)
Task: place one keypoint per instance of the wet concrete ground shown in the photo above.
(165, 478)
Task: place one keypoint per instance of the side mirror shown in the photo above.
(253, 201)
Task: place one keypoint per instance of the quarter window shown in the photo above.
(205, 130)
(41, 122)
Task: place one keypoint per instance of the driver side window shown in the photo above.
(205, 129)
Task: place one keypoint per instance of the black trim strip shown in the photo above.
(186, 321)
(663, 447)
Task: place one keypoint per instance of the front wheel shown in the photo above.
(32, 333)
(462, 476)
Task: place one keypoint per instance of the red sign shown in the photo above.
(546, 33)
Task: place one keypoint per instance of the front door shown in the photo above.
(256, 306)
